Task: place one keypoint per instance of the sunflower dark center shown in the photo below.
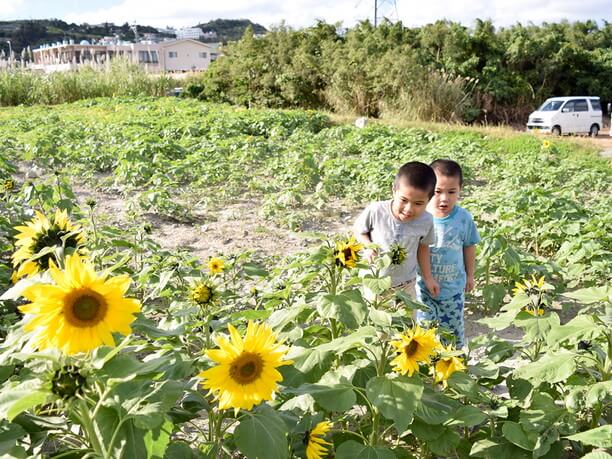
(348, 254)
(52, 238)
(85, 308)
(246, 368)
(411, 348)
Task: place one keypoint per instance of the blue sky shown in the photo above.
(300, 13)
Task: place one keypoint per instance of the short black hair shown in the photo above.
(448, 168)
(418, 175)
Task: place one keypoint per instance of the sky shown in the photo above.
(303, 13)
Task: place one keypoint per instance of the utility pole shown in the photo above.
(375, 12)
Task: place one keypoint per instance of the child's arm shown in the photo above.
(469, 260)
(425, 265)
(365, 238)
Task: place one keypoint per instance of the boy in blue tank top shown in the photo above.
(453, 255)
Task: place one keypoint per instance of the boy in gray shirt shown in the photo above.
(403, 224)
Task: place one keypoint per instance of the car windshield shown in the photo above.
(550, 106)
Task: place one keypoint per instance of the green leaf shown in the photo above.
(493, 296)
(440, 439)
(353, 450)
(156, 440)
(591, 295)
(396, 398)
(597, 455)
(254, 270)
(598, 392)
(542, 414)
(501, 449)
(514, 433)
(499, 321)
(537, 327)
(380, 318)
(9, 435)
(14, 400)
(307, 359)
(468, 416)
(377, 285)
(333, 397)
(579, 328)
(436, 408)
(348, 308)
(550, 369)
(262, 434)
(600, 436)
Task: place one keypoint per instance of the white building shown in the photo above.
(167, 56)
(189, 32)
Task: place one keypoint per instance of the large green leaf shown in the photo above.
(353, 450)
(598, 392)
(542, 414)
(579, 328)
(156, 440)
(436, 408)
(396, 398)
(514, 433)
(333, 397)
(348, 308)
(307, 359)
(600, 436)
(467, 416)
(537, 327)
(498, 449)
(591, 295)
(550, 369)
(9, 435)
(21, 397)
(262, 434)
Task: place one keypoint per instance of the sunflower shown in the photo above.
(397, 253)
(8, 185)
(414, 347)
(546, 144)
(81, 311)
(203, 293)
(527, 286)
(38, 234)
(246, 373)
(446, 366)
(216, 265)
(315, 445)
(532, 311)
(346, 253)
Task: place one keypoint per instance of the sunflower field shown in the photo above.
(114, 346)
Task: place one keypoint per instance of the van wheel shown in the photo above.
(594, 130)
(556, 130)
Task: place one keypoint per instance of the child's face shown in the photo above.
(445, 195)
(408, 202)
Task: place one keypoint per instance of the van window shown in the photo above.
(569, 106)
(595, 104)
(580, 105)
(551, 106)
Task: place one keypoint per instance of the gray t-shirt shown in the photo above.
(386, 230)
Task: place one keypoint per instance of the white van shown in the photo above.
(568, 115)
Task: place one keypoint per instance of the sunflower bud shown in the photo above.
(67, 382)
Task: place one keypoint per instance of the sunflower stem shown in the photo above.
(88, 427)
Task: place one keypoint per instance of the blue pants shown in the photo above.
(448, 312)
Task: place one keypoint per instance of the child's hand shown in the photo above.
(370, 254)
(432, 286)
(469, 284)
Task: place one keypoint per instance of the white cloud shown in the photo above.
(9, 7)
(300, 13)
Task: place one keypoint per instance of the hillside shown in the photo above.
(33, 33)
(231, 29)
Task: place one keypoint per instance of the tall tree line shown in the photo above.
(441, 71)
